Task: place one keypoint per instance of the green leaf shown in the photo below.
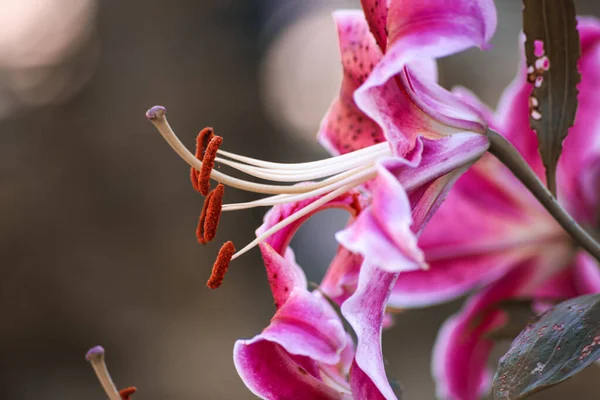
(558, 345)
(552, 50)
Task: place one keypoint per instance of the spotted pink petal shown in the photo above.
(381, 233)
(462, 349)
(270, 372)
(404, 102)
(376, 12)
(345, 128)
(364, 311)
(284, 275)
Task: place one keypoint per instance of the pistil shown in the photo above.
(96, 357)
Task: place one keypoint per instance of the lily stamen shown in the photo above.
(221, 265)
(202, 140)
(208, 163)
(338, 175)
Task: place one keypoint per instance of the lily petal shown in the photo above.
(272, 373)
(484, 227)
(381, 233)
(433, 171)
(345, 128)
(364, 310)
(376, 12)
(462, 348)
(279, 241)
(341, 278)
(580, 160)
(400, 99)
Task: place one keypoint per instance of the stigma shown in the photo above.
(95, 356)
(280, 183)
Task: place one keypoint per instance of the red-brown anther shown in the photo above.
(208, 163)
(201, 226)
(127, 392)
(202, 141)
(213, 212)
(220, 267)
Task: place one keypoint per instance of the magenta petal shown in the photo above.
(381, 233)
(341, 277)
(362, 385)
(272, 373)
(580, 160)
(428, 178)
(306, 325)
(462, 349)
(586, 274)
(283, 273)
(411, 104)
(376, 12)
(345, 128)
(453, 24)
(449, 279)
(364, 310)
(280, 240)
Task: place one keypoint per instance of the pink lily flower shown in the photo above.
(502, 241)
(390, 108)
(305, 351)
(400, 137)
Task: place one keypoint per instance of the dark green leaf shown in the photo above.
(552, 70)
(558, 345)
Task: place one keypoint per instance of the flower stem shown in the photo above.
(504, 151)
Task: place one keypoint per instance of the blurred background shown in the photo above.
(97, 241)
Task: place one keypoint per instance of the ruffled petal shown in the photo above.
(306, 325)
(455, 24)
(381, 233)
(345, 128)
(364, 311)
(402, 100)
(272, 373)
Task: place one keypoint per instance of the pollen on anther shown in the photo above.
(208, 163)
(202, 141)
(202, 219)
(220, 267)
(213, 212)
(127, 392)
